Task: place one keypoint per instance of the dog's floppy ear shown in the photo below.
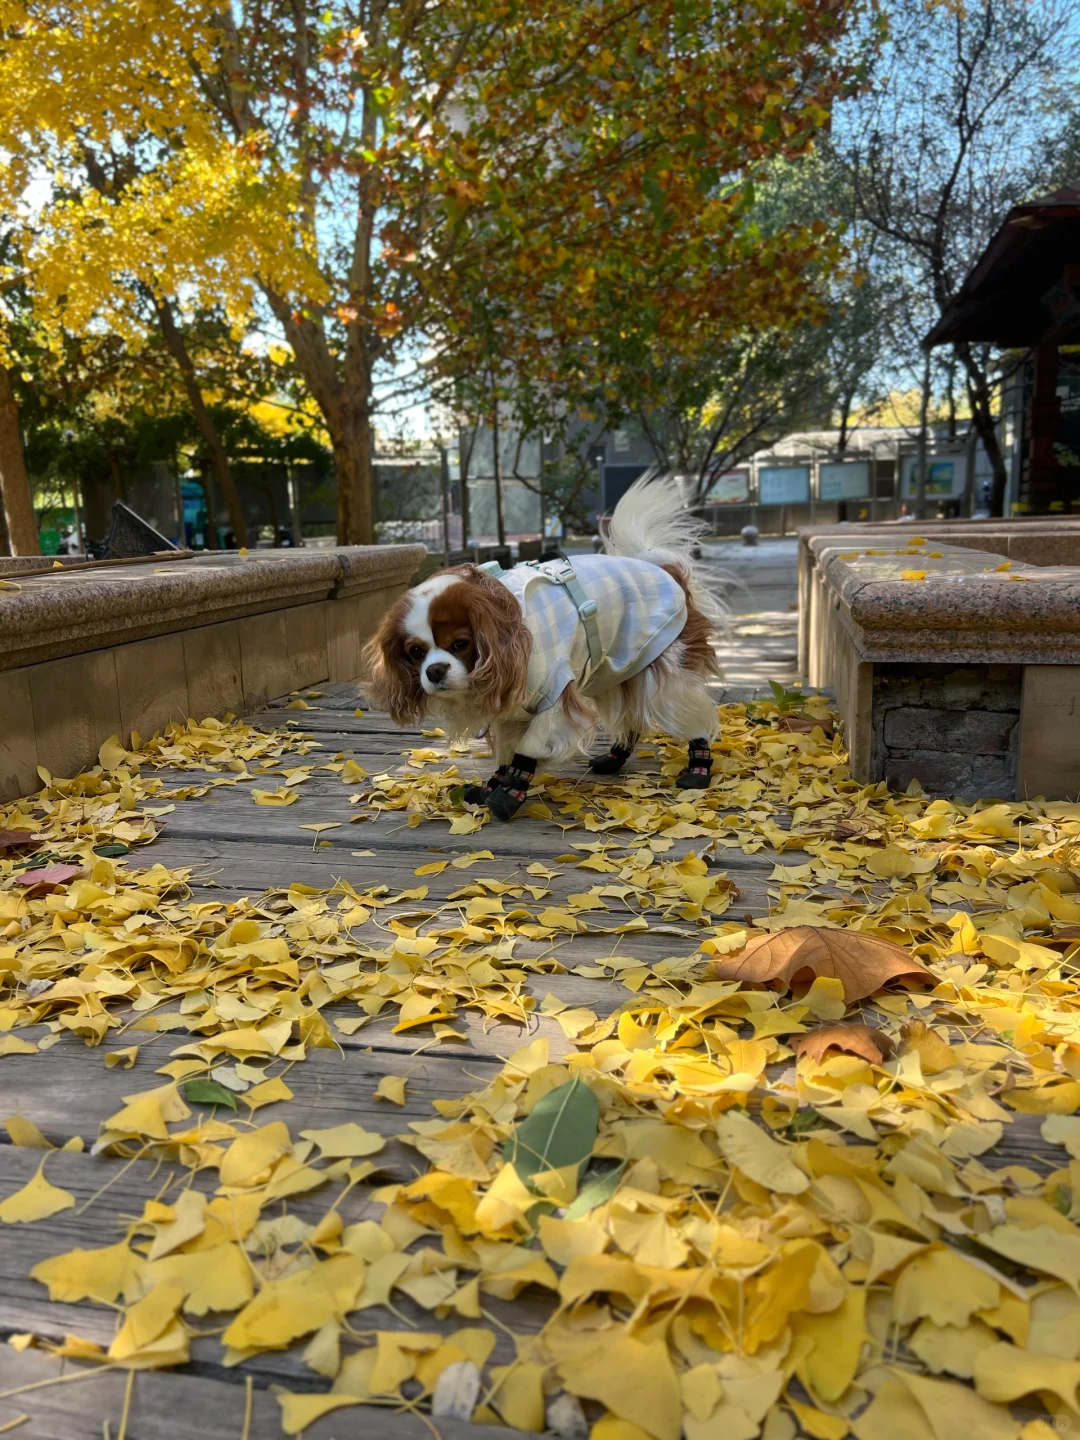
(499, 679)
(390, 680)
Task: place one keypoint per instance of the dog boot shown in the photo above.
(478, 794)
(508, 797)
(698, 770)
(614, 760)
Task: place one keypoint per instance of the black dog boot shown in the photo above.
(698, 770)
(509, 795)
(478, 794)
(614, 760)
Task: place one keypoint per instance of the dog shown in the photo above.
(543, 655)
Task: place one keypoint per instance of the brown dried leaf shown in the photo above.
(18, 840)
(872, 1044)
(804, 727)
(50, 878)
(862, 963)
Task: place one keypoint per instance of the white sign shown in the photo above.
(731, 488)
(784, 485)
(946, 476)
(844, 480)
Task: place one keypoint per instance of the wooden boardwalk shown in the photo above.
(237, 849)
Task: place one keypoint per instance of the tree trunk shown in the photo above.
(845, 416)
(496, 458)
(351, 439)
(20, 521)
(921, 466)
(211, 516)
(207, 429)
(981, 400)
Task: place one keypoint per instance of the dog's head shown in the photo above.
(458, 638)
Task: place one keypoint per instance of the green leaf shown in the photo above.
(207, 1092)
(808, 1119)
(560, 1131)
(457, 795)
(597, 1192)
(111, 851)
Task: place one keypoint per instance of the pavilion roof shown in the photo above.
(1019, 291)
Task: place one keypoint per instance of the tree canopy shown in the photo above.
(506, 193)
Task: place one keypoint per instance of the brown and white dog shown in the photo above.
(521, 655)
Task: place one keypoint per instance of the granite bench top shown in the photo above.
(935, 602)
(1038, 541)
(61, 612)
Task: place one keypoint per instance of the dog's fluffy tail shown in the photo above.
(651, 523)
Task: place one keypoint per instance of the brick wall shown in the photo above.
(954, 730)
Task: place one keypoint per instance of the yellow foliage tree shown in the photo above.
(398, 179)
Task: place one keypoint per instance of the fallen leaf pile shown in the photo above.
(785, 1185)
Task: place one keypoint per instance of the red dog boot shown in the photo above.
(615, 759)
(478, 794)
(507, 798)
(698, 771)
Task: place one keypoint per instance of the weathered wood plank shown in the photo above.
(27, 1308)
(169, 1406)
(69, 1090)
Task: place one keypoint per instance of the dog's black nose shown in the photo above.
(437, 673)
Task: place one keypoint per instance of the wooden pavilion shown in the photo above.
(1024, 294)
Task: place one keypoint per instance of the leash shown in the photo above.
(561, 572)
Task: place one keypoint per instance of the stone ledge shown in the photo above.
(967, 609)
(58, 614)
(1038, 541)
(967, 680)
(227, 634)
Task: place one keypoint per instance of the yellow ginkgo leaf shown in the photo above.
(392, 1088)
(300, 1411)
(281, 796)
(347, 1141)
(251, 1155)
(759, 1157)
(125, 1057)
(37, 1200)
(25, 1132)
(112, 754)
(16, 1045)
(109, 1274)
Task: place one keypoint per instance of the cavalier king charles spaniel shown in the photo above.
(545, 654)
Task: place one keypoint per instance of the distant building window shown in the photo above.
(620, 442)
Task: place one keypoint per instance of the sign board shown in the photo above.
(844, 480)
(784, 485)
(731, 488)
(946, 476)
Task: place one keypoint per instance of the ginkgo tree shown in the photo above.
(476, 187)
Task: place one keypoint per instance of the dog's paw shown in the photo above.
(476, 794)
(504, 804)
(694, 777)
(607, 764)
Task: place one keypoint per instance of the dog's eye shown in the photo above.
(417, 652)
(459, 645)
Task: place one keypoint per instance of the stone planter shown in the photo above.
(112, 648)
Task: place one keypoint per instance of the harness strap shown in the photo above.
(563, 573)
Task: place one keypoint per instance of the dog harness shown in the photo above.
(594, 623)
